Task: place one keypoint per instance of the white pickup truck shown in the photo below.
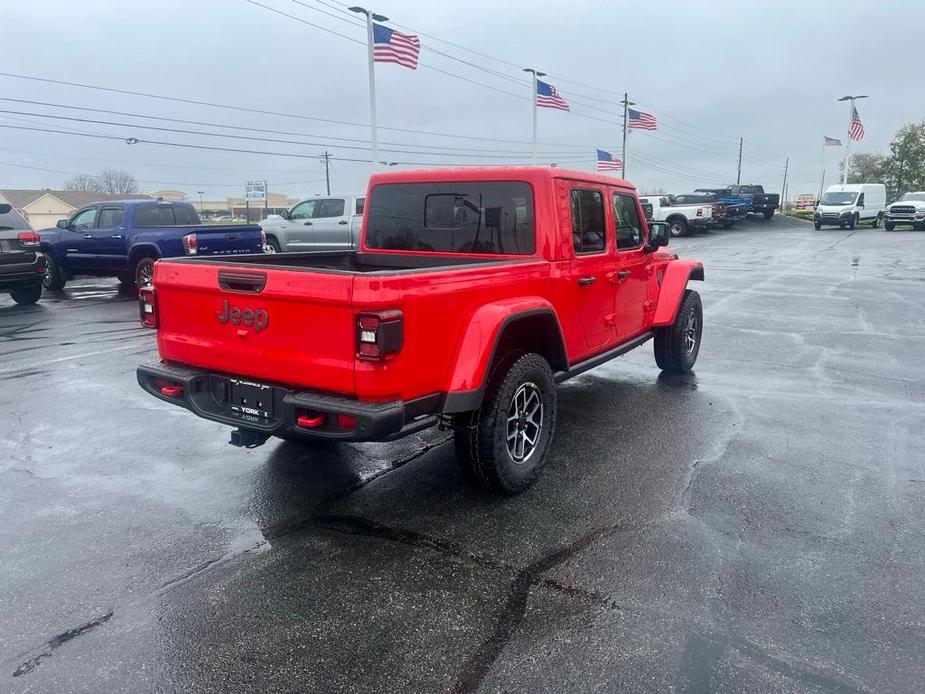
(321, 223)
(682, 219)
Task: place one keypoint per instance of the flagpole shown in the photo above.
(844, 177)
(821, 165)
(536, 74)
(370, 42)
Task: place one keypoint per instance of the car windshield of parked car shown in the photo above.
(832, 198)
(918, 197)
(476, 217)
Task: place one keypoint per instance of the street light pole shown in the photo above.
(374, 138)
(535, 74)
(850, 100)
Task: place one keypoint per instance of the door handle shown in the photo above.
(343, 221)
(116, 236)
(587, 281)
(308, 224)
(88, 236)
(623, 274)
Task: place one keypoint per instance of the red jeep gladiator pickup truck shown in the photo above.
(472, 294)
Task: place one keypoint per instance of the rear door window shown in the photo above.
(326, 209)
(111, 217)
(490, 217)
(589, 228)
(185, 214)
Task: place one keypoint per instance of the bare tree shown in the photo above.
(114, 181)
(117, 182)
(84, 182)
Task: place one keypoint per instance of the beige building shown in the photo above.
(234, 206)
(43, 208)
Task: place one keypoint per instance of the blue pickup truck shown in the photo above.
(123, 238)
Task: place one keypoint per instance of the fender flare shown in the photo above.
(677, 274)
(136, 250)
(468, 377)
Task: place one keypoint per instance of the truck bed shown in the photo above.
(352, 262)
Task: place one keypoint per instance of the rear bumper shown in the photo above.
(22, 274)
(205, 393)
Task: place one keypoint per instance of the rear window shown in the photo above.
(480, 217)
(185, 214)
(12, 220)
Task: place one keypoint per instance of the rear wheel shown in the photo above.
(678, 227)
(677, 345)
(768, 214)
(272, 245)
(27, 295)
(53, 278)
(144, 272)
(504, 444)
(919, 227)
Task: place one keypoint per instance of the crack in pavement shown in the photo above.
(56, 642)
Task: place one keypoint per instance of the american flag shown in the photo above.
(390, 46)
(831, 141)
(641, 120)
(857, 128)
(546, 95)
(607, 162)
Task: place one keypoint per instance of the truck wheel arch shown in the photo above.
(671, 291)
(140, 251)
(528, 329)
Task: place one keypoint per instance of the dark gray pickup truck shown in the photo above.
(21, 265)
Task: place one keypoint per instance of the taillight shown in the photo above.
(28, 238)
(147, 307)
(191, 244)
(700, 212)
(380, 334)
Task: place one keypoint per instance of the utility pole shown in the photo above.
(374, 138)
(626, 104)
(200, 201)
(783, 190)
(739, 170)
(535, 74)
(850, 100)
(327, 170)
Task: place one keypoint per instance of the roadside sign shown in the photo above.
(255, 191)
(805, 200)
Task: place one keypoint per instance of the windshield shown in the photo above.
(832, 198)
(490, 217)
(920, 197)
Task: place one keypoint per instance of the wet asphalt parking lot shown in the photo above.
(754, 526)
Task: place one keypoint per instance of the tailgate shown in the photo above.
(288, 326)
(229, 239)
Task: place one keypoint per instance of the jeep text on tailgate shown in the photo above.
(472, 294)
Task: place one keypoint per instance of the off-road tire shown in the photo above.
(53, 278)
(26, 295)
(481, 437)
(673, 352)
(818, 225)
(768, 214)
(144, 268)
(889, 226)
(679, 227)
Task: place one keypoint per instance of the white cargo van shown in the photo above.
(851, 204)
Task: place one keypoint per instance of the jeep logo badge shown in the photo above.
(258, 319)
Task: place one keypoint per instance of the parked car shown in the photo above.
(909, 209)
(724, 215)
(22, 266)
(124, 238)
(318, 223)
(750, 198)
(738, 204)
(473, 293)
(850, 205)
(682, 219)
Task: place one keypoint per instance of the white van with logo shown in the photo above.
(851, 204)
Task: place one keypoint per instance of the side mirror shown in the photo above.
(659, 234)
(62, 224)
(284, 214)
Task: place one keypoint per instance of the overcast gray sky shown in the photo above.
(769, 72)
